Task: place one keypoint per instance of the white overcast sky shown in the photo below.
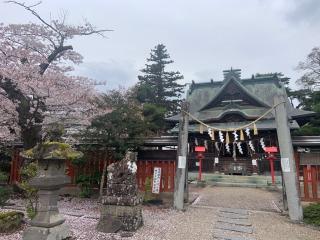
(203, 37)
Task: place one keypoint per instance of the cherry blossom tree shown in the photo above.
(36, 82)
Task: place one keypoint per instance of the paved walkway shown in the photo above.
(232, 224)
(249, 214)
(239, 197)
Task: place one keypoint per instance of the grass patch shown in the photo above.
(311, 214)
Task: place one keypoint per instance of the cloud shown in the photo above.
(114, 73)
(305, 11)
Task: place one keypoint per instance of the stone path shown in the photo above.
(230, 222)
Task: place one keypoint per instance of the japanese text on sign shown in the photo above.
(156, 180)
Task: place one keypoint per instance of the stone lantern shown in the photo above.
(48, 223)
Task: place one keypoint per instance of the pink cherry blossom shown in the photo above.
(38, 59)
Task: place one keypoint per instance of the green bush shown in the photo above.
(10, 221)
(84, 183)
(147, 190)
(3, 177)
(311, 214)
(30, 193)
(5, 193)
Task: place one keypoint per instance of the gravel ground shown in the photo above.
(275, 226)
(159, 223)
(266, 221)
(237, 197)
(196, 223)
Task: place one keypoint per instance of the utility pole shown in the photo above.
(182, 151)
(288, 164)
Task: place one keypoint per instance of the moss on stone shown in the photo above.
(52, 150)
(10, 221)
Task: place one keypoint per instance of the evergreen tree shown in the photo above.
(309, 100)
(157, 85)
(309, 95)
(123, 128)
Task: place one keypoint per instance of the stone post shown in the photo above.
(180, 181)
(48, 223)
(122, 206)
(288, 164)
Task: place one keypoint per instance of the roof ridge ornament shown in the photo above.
(232, 73)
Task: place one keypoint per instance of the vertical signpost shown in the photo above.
(156, 184)
(287, 159)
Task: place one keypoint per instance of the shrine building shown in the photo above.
(234, 119)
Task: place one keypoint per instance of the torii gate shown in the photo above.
(287, 159)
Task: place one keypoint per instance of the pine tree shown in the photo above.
(157, 85)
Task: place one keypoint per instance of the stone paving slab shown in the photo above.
(232, 215)
(234, 227)
(234, 221)
(234, 210)
(220, 236)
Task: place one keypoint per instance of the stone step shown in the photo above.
(234, 227)
(232, 215)
(224, 236)
(234, 178)
(235, 210)
(234, 184)
(243, 222)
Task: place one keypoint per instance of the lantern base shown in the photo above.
(59, 232)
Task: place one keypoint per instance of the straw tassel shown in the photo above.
(201, 128)
(227, 138)
(241, 135)
(255, 130)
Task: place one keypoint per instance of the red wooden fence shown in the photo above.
(94, 165)
(16, 164)
(310, 183)
(309, 178)
(145, 170)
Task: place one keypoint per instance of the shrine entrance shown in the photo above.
(251, 159)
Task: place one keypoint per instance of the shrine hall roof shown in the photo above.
(209, 101)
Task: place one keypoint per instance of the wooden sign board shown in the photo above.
(156, 184)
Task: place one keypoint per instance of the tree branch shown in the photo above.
(52, 57)
(29, 8)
